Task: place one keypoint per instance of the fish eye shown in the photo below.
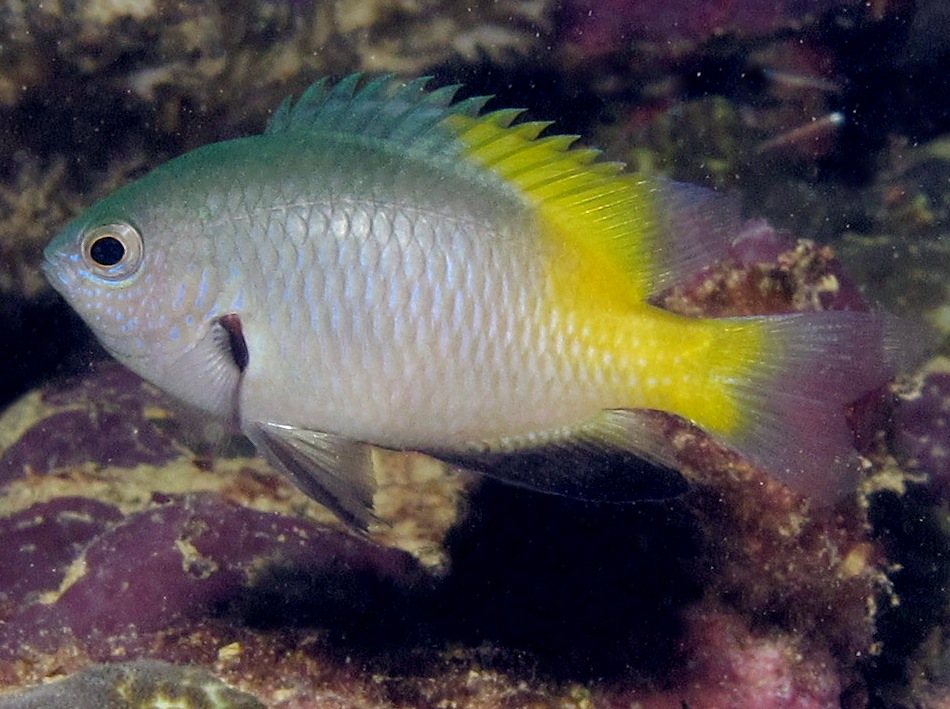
(112, 251)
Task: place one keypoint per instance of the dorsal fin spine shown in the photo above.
(574, 182)
(309, 96)
(279, 117)
(471, 106)
(373, 103)
(404, 115)
(516, 161)
(498, 153)
(556, 184)
(487, 128)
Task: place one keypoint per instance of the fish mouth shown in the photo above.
(52, 274)
(53, 268)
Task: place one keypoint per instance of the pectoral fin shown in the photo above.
(335, 471)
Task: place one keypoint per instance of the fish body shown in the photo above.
(384, 267)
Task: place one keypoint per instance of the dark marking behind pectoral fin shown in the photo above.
(334, 471)
(622, 456)
(237, 346)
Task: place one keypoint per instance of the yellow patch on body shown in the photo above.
(654, 359)
(598, 235)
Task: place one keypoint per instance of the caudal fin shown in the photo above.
(792, 394)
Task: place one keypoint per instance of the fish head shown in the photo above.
(132, 267)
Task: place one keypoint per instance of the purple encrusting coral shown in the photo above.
(45, 539)
(173, 564)
(114, 431)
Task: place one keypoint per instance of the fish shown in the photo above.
(388, 266)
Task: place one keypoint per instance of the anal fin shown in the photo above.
(336, 472)
(620, 456)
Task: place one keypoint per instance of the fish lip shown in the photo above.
(52, 269)
(49, 271)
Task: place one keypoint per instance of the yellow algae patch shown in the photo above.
(74, 572)
(193, 562)
(230, 653)
(22, 415)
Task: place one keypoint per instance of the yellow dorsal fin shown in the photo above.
(607, 217)
(636, 235)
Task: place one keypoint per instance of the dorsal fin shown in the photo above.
(636, 234)
(641, 234)
(404, 114)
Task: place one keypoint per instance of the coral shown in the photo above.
(790, 111)
(911, 668)
(911, 208)
(766, 272)
(35, 200)
(735, 667)
(171, 565)
(45, 539)
(730, 665)
(117, 428)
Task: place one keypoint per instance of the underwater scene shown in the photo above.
(506, 353)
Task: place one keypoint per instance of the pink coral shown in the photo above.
(729, 665)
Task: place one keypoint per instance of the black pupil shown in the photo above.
(107, 251)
